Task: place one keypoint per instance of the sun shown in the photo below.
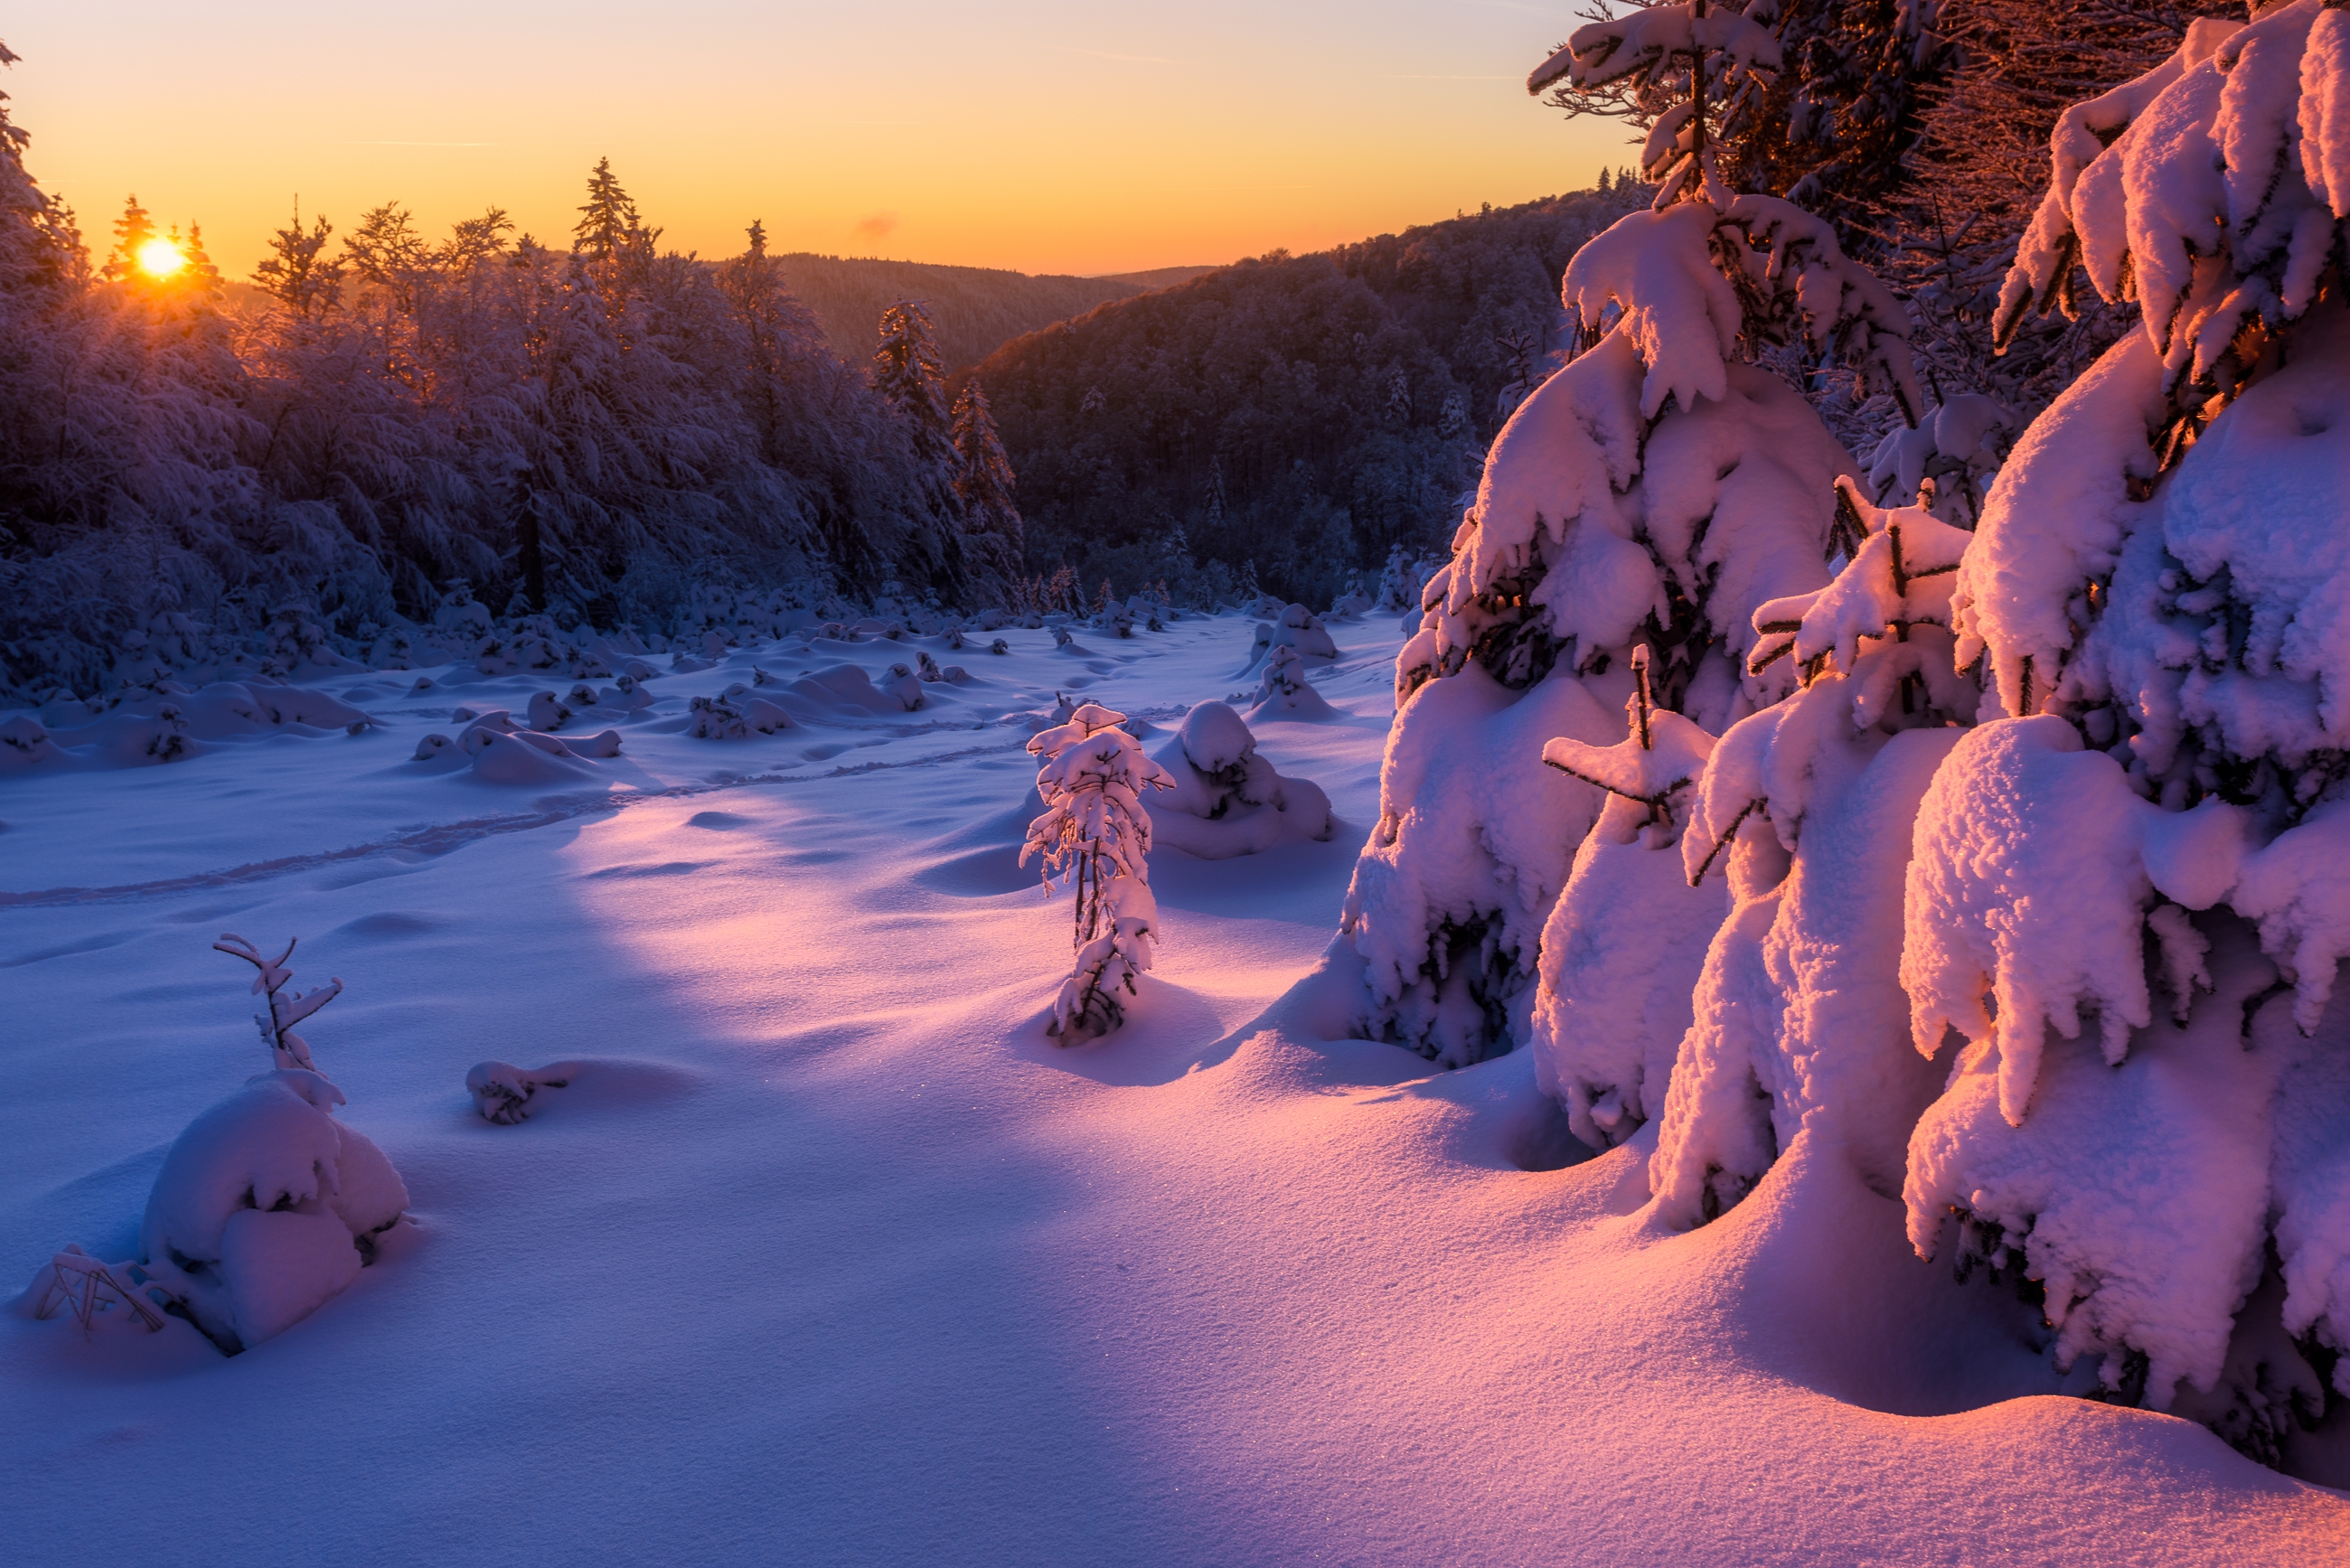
(160, 258)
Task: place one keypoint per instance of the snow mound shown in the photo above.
(1226, 799)
(265, 1208)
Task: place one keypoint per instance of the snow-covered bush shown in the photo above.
(1094, 835)
(1655, 493)
(266, 1206)
(505, 1095)
(1226, 798)
(733, 715)
(2156, 588)
(1300, 629)
(1284, 692)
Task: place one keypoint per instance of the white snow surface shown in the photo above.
(827, 1254)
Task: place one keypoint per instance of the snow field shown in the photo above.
(828, 1255)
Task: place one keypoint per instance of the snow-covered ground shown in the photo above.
(828, 1256)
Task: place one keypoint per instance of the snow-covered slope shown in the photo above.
(826, 1254)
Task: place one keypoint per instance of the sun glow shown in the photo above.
(160, 258)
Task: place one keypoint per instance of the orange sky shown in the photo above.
(1048, 137)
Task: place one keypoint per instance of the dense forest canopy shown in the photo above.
(1293, 417)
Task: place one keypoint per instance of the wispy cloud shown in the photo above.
(420, 144)
(1130, 59)
(875, 227)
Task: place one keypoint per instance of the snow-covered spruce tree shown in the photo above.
(1655, 493)
(983, 485)
(1803, 817)
(1095, 836)
(2157, 587)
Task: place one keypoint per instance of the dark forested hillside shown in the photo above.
(1297, 416)
(975, 309)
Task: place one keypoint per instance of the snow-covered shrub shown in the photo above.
(1656, 493)
(733, 716)
(2157, 590)
(547, 713)
(505, 1095)
(902, 683)
(24, 743)
(267, 1206)
(1300, 629)
(1227, 799)
(1282, 691)
(1094, 835)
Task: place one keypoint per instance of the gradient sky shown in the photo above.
(1041, 135)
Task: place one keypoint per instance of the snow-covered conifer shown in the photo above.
(2155, 589)
(908, 373)
(1803, 820)
(1655, 493)
(984, 482)
(1094, 836)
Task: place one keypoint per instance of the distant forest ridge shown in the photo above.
(976, 310)
(1287, 421)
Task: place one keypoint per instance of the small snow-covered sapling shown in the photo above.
(286, 1048)
(999, 646)
(1095, 836)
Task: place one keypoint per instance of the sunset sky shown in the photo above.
(1043, 135)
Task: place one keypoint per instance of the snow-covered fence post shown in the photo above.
(1095, 836)
(287, 1049)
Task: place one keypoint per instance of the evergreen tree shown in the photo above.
(609, 226)
(908, 375)
(296, 271)
(1095, 836)
(1636, 511)
(204, 276)
(131, 231)
(983, 481)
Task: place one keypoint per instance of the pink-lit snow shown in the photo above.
(826, 1254)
